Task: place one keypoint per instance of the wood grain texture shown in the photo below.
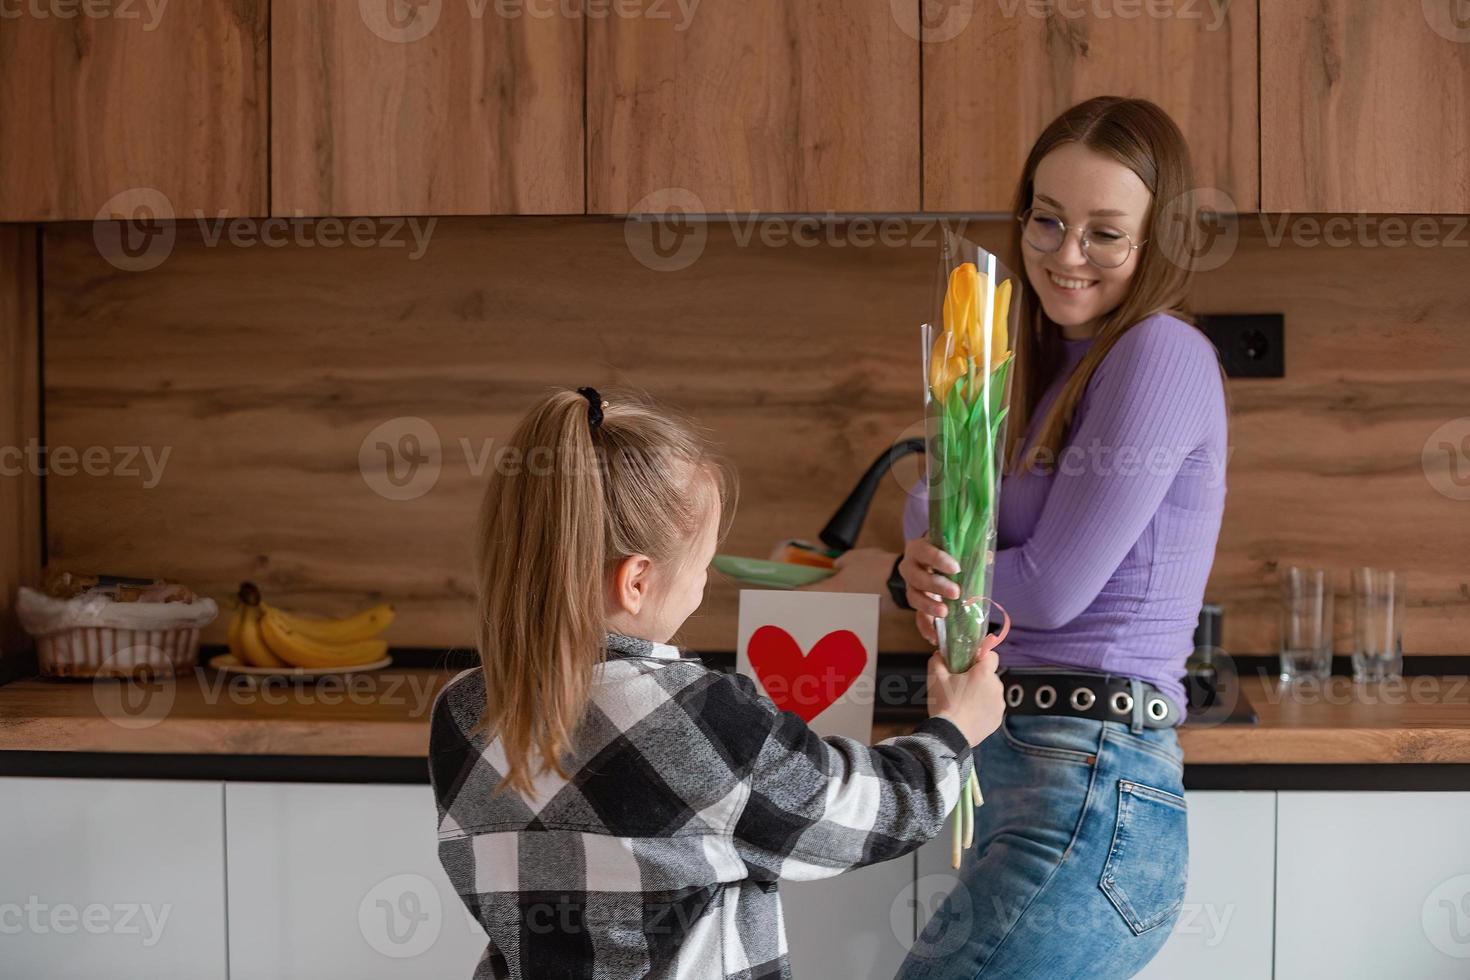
(480, 115)
(263, 371)
(1366, 107)
(992, 88)
(382, 713)
(385, 714)
(787, 105)
(1327, 464)
(20, 427)
(94, 106)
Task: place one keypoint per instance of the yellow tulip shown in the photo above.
(963, 339)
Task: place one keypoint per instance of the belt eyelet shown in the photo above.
(1014, 695)
(1158, 709)
(1050, 694)
(1083, 699)
(1122, 703)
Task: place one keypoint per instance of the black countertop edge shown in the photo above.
(898, 663)
(1388, 777)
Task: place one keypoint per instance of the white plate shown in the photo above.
(226, 663)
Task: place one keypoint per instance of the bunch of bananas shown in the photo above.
(263, 636)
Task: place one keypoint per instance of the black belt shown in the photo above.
(1099, 697)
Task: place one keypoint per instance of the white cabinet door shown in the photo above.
(857, 926)
(111, 878)
(1224, 929)
(1373, 885)
(338, 880)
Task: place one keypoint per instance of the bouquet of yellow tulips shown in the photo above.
(967, 368)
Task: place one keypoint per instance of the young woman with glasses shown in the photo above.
(1109, 513)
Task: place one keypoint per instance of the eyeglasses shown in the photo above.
(1104, 248)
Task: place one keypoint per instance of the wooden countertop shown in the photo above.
(385, 714)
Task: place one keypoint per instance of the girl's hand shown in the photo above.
(923, 569)
(858, 570)
(972, 700)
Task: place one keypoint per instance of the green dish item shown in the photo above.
(772, 574)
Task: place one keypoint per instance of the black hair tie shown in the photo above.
(594, 406)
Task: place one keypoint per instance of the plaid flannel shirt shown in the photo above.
(690, 796)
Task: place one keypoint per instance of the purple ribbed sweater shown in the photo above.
(1102, 562)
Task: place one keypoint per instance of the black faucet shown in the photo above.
(842, 531)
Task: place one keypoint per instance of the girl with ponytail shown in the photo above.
(609, 806)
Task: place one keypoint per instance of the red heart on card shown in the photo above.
(805, 684)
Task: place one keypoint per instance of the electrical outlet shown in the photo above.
(1252, 345)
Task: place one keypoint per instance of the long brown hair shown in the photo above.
(1142, 137)
(566, 500)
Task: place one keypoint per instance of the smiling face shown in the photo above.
(1085, 189)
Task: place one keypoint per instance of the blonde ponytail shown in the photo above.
(574, 495)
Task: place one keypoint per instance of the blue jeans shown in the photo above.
(1080, 857)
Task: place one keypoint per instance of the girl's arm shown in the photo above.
(817, 807)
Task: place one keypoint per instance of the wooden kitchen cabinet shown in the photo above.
(783, 105)
(435, 108)
(149, 103)
(1373, 885)
(1366, 106)
(20, 427)
(995, 74)
(341, 881)
(112, 878)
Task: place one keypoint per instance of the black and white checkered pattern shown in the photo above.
(690, 796)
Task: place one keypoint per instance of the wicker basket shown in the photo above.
(90, 651)
(90, 637)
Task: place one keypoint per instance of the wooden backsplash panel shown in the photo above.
(1327, 464)
(262, 370)
(20, 426)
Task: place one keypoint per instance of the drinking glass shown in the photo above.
(1306, 623)
(1378, 624)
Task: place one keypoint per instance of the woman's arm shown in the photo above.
(1148, 406)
